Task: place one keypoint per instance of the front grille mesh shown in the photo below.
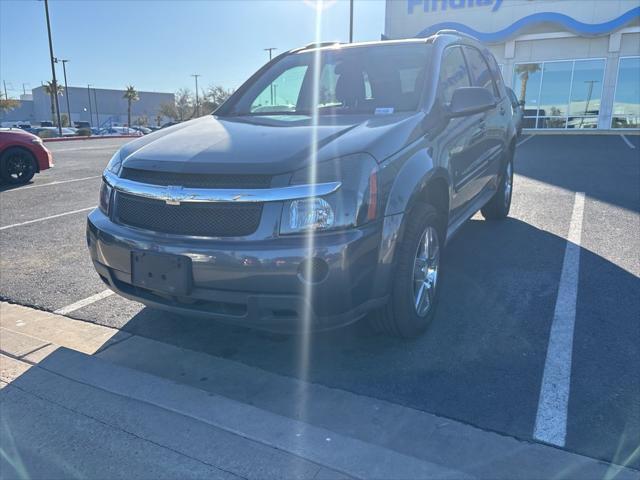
(200, 219)
(196, 180)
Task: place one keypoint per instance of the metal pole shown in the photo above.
(350, 21)
(90, 109)
(66, 90)
(196, 75)
(53, 68)
(95, 102)
(4, 82)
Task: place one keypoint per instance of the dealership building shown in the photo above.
(575, 63)
(98, 106)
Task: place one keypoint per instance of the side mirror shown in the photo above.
(470, 100)
(521, 103)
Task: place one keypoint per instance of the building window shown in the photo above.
(626, 106)
(560, 94)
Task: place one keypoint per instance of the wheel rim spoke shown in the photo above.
(425, 271)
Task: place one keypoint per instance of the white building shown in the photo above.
(576, 63)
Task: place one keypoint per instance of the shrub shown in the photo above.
(83, 132)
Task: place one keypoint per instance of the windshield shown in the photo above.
(369, 79)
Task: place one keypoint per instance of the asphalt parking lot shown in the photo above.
(483, 360)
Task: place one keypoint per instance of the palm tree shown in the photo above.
(132, 96)
(524, 70)
(51, 91)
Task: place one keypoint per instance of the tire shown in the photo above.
(400, 317)
(498, 207)
(17, 166)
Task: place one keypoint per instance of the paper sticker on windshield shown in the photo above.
(384, 111)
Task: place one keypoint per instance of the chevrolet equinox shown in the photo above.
(324, 189)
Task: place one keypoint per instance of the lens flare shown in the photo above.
(305, 334)
(319, 4)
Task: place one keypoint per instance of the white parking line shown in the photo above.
(51, 183)
(84, 302)
(47, 218)
(551, 419)
(525, 140)
(629, 144)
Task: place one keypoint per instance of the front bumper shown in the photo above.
(254, 282)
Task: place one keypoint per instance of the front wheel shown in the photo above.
(17, 166)
(414, 295)
(500, 204)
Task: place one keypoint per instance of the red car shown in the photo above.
(22, 155)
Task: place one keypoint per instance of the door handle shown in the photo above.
(502, 110)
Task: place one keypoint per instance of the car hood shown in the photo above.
(267, 145)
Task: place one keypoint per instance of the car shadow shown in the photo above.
(6, 186)
(602, 166)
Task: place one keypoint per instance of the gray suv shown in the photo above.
(323, 190)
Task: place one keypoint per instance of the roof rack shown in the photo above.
(319, 45)
(449, 31)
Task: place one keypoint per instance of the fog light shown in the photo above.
(313, 270)
(310, 213)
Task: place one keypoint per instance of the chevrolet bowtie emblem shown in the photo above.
(174, 195)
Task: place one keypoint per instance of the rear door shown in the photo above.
(489, 134)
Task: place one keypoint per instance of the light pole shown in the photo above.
(350, 21)
(196, 75)
(95, 104)
(271, 49)
(53, 68)
(66, 88)
(90, 110)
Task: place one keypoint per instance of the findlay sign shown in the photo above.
(436, 5)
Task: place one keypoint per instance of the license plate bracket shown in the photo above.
(161, 272)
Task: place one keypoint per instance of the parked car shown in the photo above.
(315, 217)
(53, 132)
(517, 110)
(118, 131)
(82, 124)
(22, 155)
(141, 129)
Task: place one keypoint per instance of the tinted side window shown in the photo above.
(453, 73)
(479, 69)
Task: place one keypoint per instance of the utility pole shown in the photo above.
(90, 110)
(350, 21)
(95, 101)
(196, 75)
(66, 89)
(53, 68)
(271, 49)
(24, 90)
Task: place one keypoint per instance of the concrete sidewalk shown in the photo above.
(84, 400)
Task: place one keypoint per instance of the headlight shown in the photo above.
(105, 197)
(353, 204)
(115, 164)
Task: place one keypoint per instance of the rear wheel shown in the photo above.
(500, 204)
(414, 295)
(17, 166)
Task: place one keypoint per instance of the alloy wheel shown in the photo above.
(425, 271)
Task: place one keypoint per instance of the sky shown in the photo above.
(157, 45)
